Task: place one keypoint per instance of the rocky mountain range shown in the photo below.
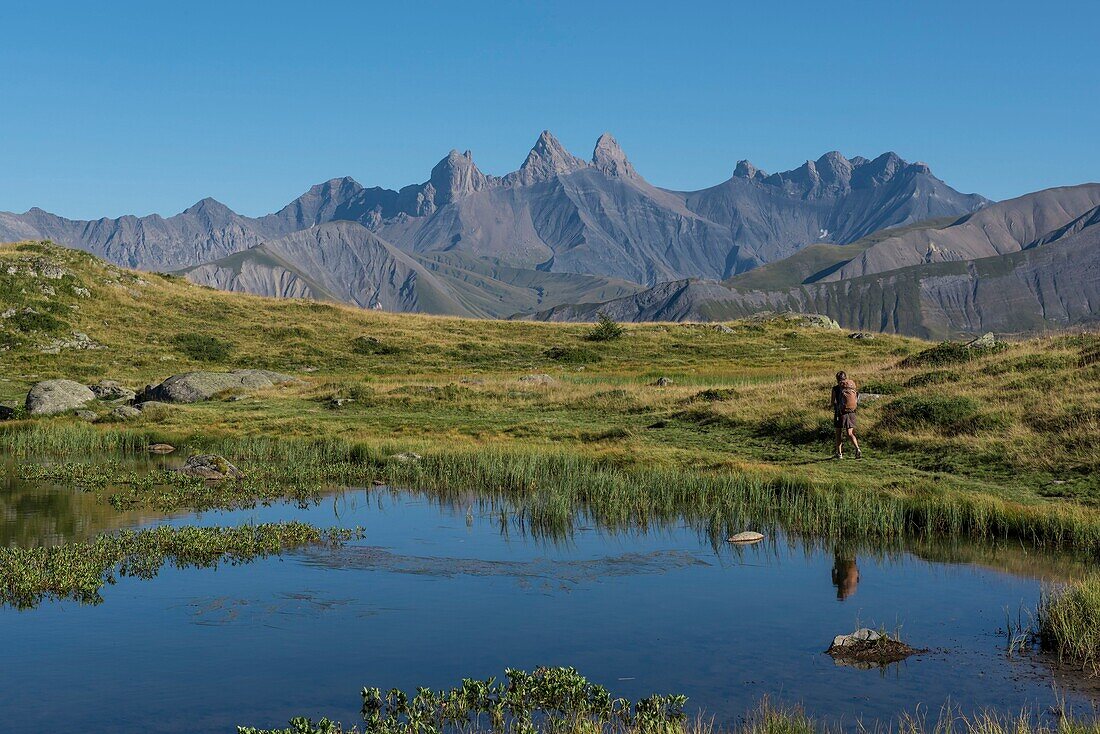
(563, 237)
(1026, 264)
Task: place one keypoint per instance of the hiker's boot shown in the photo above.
(838, 456)
(859, 453)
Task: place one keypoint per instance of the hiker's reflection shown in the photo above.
(845, 575)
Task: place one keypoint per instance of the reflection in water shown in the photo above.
(845, 574)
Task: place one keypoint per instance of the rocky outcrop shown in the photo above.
(57, 396)
(209, 466)
(193, 387)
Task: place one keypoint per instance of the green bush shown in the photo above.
(605, 330)
(947, 353)
(572, 355)
(370, 346)
(950, 415)
(203, 347)
(881, 388)
(29, 320)
(715, 394)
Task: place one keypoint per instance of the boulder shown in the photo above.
(125, 412)
(985, 341)
(111, 390)
(406, 457)
(6, 412)
(861, 335)
(193, 387)
(160, 448)
(537, 379)
(86, 415)
(722, 329)
(860, 635)
(57, 396)
(745, 537)
(663, 382)
(209, 466)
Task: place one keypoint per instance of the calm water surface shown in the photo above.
(433, 594)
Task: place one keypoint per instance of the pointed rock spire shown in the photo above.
(745, 169)
(547, 159)
(455, 176)
(609, 157)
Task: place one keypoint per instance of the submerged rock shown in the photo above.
(193, 387)
(57, 396)
(745, 537)
(210, 466)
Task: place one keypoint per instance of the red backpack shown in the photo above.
(849, 396)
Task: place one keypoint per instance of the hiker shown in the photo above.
(845, 402)
(845, 574)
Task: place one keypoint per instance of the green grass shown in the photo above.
(1068, 622)
(1015, 432)
(78, 571)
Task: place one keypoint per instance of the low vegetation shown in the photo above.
(78, 571)
(561, 701)
(1068, 623)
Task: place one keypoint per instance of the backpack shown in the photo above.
(849, 396)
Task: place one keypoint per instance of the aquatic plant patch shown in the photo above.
(78, 571)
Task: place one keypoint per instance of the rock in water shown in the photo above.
(193, 387)
(160, 448)
(210, 466)
(748, 536)
(57, 396)
(860, 635)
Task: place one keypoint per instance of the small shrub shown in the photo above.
(936, 377)
(29, 320)
(947, 353)
(715, 394)
(606, 329)
(949, 415)
(572, 355)
(370, 346)
(203, 347)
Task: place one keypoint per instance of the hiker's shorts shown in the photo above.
(845, 421)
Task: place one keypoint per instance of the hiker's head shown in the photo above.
(841, 376)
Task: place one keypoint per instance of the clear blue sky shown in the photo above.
(117, 107)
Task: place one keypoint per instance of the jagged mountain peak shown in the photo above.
(548, 158)
(208, 205)
(608, 157)
(455, 176)
(745, 169)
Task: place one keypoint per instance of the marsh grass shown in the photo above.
(79, 571)
(1068, 622)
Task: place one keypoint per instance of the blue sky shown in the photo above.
(117, 108)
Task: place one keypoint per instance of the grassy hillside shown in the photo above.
(1019, 425)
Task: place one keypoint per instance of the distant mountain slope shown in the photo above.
(557, 213)
(338, 260)
(344, 261)
(1052, 281)
(1008, 226)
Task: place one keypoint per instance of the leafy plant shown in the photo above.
(572, 355)
(606, 329)
(551, 700)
